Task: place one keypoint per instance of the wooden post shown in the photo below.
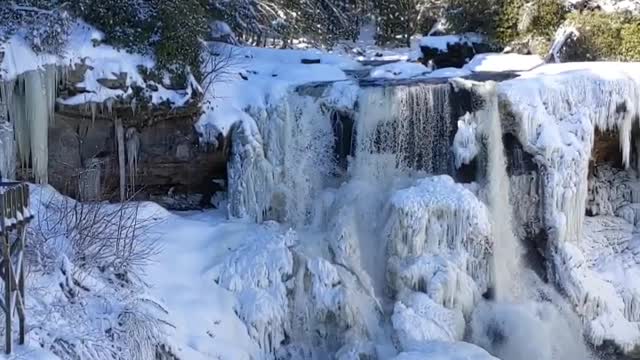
(21, 282)
(6, 251)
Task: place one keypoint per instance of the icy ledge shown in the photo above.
(557, 109)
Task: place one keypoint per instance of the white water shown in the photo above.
(507, 251)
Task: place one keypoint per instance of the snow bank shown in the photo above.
(496, 62)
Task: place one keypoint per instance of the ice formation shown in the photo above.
(557, 110)
(7, 149)
(90, 181)
(418, 319)
(257, 273)
(465, 146)
(438, 232)
(132, 138)
(281, 157)
(30, 99)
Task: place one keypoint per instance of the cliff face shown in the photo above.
(164, 160)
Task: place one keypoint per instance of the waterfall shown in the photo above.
(403, 128)
(506, 249)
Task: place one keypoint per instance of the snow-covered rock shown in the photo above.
(494, 62)
(418, 319)
(399, 70)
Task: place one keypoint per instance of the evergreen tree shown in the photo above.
(401, 19)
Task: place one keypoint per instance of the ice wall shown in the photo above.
(281, 156)
(557, 109)
(7, 149)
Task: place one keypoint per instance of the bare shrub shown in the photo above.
(116, 237)
(220, 61)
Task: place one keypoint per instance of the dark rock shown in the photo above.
(120, 82)
(310, 61)
(456, 55)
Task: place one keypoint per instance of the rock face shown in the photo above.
(163, 159)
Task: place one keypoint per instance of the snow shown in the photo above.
(399, 70)
(29, 352)
(497, 62)
(218, 270)
(442, 42)
(269, 74)
(437, 350)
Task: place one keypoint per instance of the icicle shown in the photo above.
(37, 116)
(133, 106)
(94, 109)
(30, 101)
(119, 132)
(90, 181)
(133, 151)
(110, 106)
(51, 86)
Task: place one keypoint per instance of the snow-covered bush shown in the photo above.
(171, 30)
(46, 27)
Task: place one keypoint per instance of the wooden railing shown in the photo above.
(14, 219)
